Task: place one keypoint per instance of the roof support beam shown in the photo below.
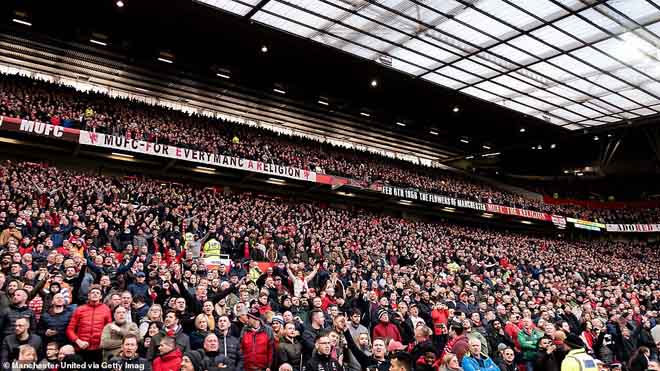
(256, 8)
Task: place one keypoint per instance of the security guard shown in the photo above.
(577, 359)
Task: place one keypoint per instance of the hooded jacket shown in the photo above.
(258, 347)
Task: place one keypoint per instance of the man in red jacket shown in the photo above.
(257, 344)
(386, 329)
(170, 356)
(86, 325)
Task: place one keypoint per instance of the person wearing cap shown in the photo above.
(87, 323)
(577, 358)
(192, 361)
(385, 328)
(257, 344)
(139, 287)
(128, 358)
(475, 360)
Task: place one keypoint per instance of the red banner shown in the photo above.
(518, 212)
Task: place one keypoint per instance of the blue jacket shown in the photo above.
(482, 364)
(57, 322)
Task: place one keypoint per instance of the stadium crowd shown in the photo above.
(112, 268)
(61, 105)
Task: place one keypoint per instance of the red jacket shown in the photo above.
(387, 330)
(258, 348)
(87, 323)
(168, 362)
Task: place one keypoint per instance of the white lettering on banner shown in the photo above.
(41, 128)
(499, 209)
(186, 154)
(642, 228)
(414, 194)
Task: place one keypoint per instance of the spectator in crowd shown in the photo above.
(475, 360)
(128, 358)
(116, 331)
(22, 336)
(508, 362)
(528, 338)
(257, 343)
(169, 355)
(577, 359)
(87, 323)
(321, 359)
(171, 329)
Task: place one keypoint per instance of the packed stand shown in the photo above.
(111, 269)
(60, 105)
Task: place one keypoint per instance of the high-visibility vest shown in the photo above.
(212, 248)
(578, 360)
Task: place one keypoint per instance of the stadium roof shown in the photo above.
(571, 63)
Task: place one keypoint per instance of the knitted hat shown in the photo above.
(277, 318)
(381, 312)
(195, 359)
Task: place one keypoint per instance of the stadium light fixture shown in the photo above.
(609, 135)
(223, 75)
(433, 132)
(456, 109)
(487, 215)
(491, 154)
(122, 155)
(264, 49)
(205, 168)
(401, 124)
(97, 42)
(486, 147)
(405, 202)
(165, 60)
(469, 157)
(20, 21)
(522, 130)
(365, 114)
(525, 222)
(580, 174)
(323, 102)
(279, 91)
(553, 146)
(464, 141)
(374, 83)
(120, 4)
(449, 209)
(596, 138)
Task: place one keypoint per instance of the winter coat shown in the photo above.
(386, 330)
(111, 340)
(483, 363)
(258, 347)
(168, 362)
(87, 323)
(229, 347)
(528, 343)
(290, 352)
(57, 322)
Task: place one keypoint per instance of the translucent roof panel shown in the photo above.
(571, 63)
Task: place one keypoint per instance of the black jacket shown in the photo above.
(546, 362)
(290, 352)
(230, 347)
(320, 362)
(10, 346)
